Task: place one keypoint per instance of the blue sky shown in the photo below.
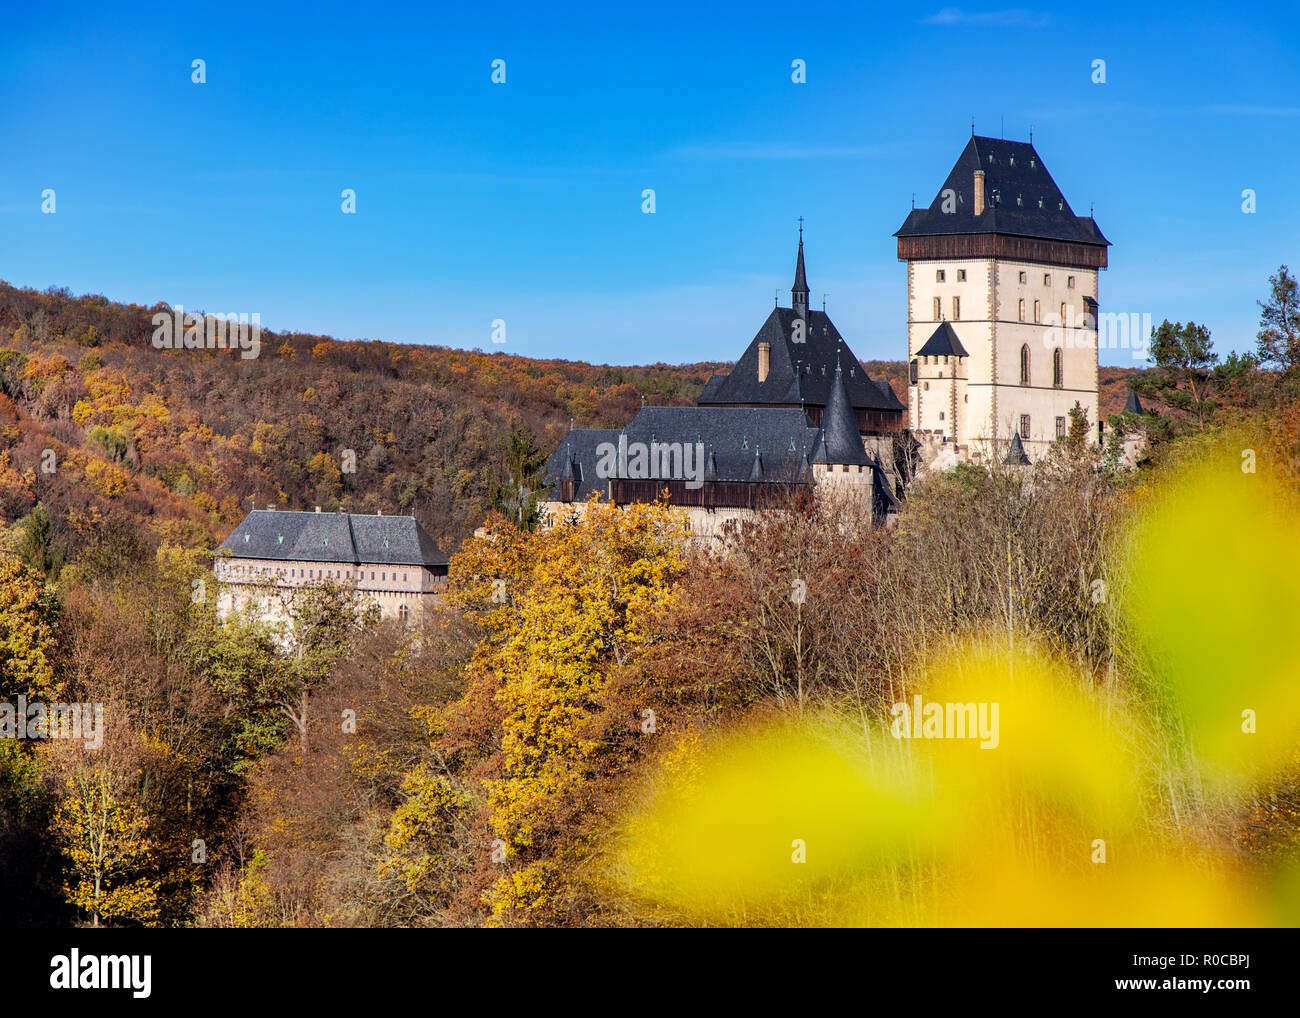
(522, 201)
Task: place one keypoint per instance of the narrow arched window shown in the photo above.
(914, 371)
(1058, 371)
(1024, 364)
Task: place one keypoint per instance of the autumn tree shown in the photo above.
(28, 620)
(103, 835)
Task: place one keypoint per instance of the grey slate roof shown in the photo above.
(943, 342)
(576, 455)
(1133, 405)
(840, 441)
(333, 537)
(761, 444)
(1016, 455)
(1021, 198)
(814, 360)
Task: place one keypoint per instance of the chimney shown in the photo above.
(764, 360)
(979, 192)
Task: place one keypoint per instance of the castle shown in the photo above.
(1002, 306)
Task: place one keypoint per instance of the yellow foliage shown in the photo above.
(107, 478)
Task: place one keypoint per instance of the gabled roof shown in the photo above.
(1021, 198)
(943, 342)
(333, 537)
(809, 366)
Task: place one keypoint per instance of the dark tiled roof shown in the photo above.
(1016, 455)
(576, 456)
(840, 441)
(333, 537)
(731, 437)
(1021, 198)
(1133, 405)
(710, 387)
(815, 359)
(943, 342)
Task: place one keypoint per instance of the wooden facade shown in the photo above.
(710, 495)
(1000, 245)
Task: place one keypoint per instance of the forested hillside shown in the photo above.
(642, 728)
(186, 440)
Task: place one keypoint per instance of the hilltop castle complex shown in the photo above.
(1002, 306)
(1001, 345)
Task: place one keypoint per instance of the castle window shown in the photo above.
(940, 415)
(938, 308)
(1024, 364)
(914, 370)
(938, 276)
(1060, 427)
(961, 275)
(402, 612)
(1062, 312)
(1047, 279)
(1069, 281)
(956, 309)
(1024, 425)
(1022, 309)
(1037, 311)
(1024, 277)
(927, 386)
(1058, 370)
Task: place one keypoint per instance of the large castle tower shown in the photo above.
(1001, 305)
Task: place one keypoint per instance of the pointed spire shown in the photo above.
(840, 441)
(711, 471)
(1016, 455)
(799, 292)
(1133, 405)
(756, 471)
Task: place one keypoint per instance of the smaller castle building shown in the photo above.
(272, 554)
